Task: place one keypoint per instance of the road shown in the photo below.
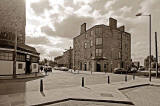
(60, 79)
(144, 96)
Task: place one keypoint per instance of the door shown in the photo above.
(98, 68)
(28, 65)
(85, 67)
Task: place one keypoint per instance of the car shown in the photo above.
(133, 70)
(120, 70)
(141, 68)
(64, 69)
(49, 69)
(56, 68)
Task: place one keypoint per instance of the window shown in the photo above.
(98, 30)
(6, 56)
(20, 66)
(34, 66)
(98, 52)
(98, 41)
(34, 59)
(86, 35)
(85, 45)
(91, 43)
(92, 32)
(20, 57)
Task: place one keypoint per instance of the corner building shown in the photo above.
(13, 22)
(102, 48)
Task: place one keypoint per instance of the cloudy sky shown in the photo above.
(51, 24)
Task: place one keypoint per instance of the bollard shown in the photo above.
(133, 76)
(41, 85)
(126, 78)
(82, 81)
(108, 80)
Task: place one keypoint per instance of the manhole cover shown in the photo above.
(106, 95)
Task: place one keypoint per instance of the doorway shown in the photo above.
(85, 67)
(98, 68)
(28, 65)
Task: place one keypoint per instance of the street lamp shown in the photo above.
(140, 14)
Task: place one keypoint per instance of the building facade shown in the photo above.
(66, 59)
(12, 24)
(13, 18)
(102, 48)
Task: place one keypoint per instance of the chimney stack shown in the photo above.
(122, 28)
(83, 28)
(113, 23)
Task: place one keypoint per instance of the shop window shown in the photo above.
(20, 66)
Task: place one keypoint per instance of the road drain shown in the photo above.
(106, 95)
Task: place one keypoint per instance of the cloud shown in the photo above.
(37, 40)
(40, 6)
(58, 21)
(69, 27)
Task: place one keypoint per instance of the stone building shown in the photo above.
(13, 18)
(12, 23)
(102, 48)
(66, 59)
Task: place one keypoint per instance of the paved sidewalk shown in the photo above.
(23, 76)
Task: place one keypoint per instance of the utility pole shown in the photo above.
(15, 56)
(156, 54)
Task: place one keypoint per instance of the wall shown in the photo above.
(12, 15)
(6, 67)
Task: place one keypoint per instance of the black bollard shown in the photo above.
(126, 78)
(41, 85)
(108, 80)
(82, 81)
(133, 76)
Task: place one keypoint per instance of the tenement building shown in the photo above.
(12, 24)
(102, 48)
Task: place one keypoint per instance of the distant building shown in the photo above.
(66, 59)
(13, 22)
(102, 48)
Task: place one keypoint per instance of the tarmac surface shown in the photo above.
(64, 89)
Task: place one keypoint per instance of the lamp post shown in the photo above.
(140, 14)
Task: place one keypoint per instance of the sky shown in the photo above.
(52, 24)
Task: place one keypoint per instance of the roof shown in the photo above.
(23, 47)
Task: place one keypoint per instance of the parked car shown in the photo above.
(57, 68)
(133, 70)
(141, 68)
(64, 69)
(49, 69)
(120, 70)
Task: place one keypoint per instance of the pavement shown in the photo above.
(61, 87)
(22, 76)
